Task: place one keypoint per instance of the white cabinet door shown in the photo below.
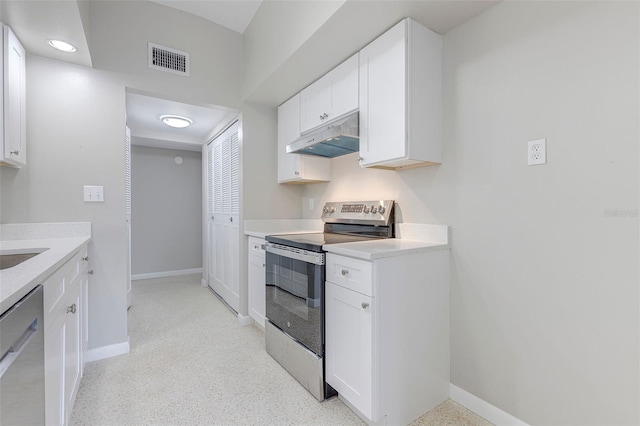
(296, 168)
(349, 346)
(14, 150)
(332, 96)
(382, 104)
(256, 280)
(73, 348)
(401, 99)
(65, 336)
(54, 350)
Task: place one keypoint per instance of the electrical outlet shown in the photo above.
(537, 152)
(93, 194)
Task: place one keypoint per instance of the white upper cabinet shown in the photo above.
(296, 168)
(332, 96)
(401, 98)
(13, 109)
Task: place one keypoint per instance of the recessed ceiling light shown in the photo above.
(62, 45)
(176, 121)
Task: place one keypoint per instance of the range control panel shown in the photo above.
(378, 212)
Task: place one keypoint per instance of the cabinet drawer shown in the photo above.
(350, 273)
(256, 246)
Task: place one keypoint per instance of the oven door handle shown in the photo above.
(295, 253)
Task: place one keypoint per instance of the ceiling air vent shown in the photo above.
(167, 59)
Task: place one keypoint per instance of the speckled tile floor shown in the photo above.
(192, 363)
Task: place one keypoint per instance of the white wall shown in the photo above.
(122, 30)
(277, 30)
(166, 231)
(544, 291)
(75, 133)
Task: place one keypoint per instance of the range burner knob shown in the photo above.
(374, 209)
(325, 209)
(381, 209)
(366, 209)
(332, 210)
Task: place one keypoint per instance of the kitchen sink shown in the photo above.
(11, 258)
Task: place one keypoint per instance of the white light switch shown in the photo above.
(93, 194)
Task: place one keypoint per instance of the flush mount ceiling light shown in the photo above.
(176, 121)
(62, 45)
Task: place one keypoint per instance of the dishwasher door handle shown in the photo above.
(16, 349)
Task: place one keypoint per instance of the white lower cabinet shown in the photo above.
(256, 279)
(387, 334)
(65, 336)
(349, 345)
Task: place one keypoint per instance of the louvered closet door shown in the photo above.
(224, 233)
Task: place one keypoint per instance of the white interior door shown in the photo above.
(127, 140)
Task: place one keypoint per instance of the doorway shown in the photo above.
(164, 184)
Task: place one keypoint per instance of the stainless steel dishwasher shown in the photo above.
(22, 362)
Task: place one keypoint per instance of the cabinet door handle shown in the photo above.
(365, 305)
(264, 264)
(90, 272)
(345, 272)
(231, 219)
(296, 173)
(16, 152)
(71, 309)
(262, 246)
(86, 258)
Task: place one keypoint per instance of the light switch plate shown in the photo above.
(93, 194)
(537, 152)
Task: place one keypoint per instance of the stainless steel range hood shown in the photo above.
(331, 140)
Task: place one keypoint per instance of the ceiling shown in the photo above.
(233, 14)
(143, 118)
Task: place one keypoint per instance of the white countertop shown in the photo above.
(410, 238)
(379, 249)
(61, 245)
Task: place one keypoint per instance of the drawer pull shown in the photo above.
(345, 272)
(90, 272)
(71, 309)
(86, 258)
(365, 305)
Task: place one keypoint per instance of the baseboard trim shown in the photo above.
(166, 274)
(245, 320)
(108, 351)
(483, 408)
(204, 283)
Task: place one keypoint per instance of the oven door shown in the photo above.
(294, 299)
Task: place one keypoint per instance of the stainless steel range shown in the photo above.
(295, 278)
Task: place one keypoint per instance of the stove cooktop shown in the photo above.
(345, 222)
(315, 241)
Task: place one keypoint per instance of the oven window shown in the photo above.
(293, 293)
